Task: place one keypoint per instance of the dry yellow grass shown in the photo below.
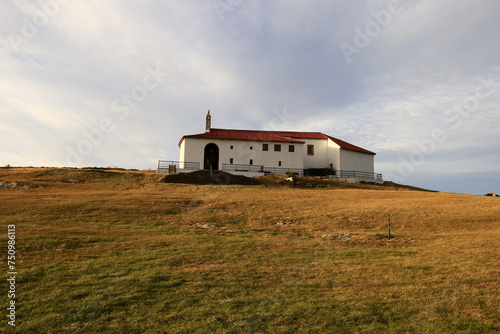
(121, 252)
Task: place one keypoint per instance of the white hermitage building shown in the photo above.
(254, 153)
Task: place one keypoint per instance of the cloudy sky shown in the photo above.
(118, 83)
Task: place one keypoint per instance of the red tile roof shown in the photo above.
(347, 146)
(242, 135)
(273, 136)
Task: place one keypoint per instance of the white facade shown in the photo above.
(243, 153)
(355, 161)
(223, 149)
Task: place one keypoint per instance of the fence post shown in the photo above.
(389, 226)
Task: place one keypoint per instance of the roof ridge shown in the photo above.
(273, 131)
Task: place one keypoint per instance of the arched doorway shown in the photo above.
(211, 157)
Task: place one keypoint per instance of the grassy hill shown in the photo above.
(110, 251)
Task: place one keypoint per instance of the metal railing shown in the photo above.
(359, 175)
(242, 168)
(282, 170)
(165, 166)
(173, 166)
(260, 169)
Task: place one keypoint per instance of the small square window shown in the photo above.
(277, 148)
(310, 149)
(251, 147)
(265, 147)
(231, 146)
(291, 148)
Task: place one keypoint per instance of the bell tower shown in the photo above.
(208, 123)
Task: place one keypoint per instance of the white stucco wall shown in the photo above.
(320, 157)
(192, 150)
(333, 155)
(353, 160)
(182, 150)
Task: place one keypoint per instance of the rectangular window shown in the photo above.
(265, 147)
(251, 147)
(291, 148)
(310, 149)
(277, 148)
(231, 161)
(231, 146)
(251, 161)
(279, 163)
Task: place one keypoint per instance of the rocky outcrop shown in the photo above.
(12, 184)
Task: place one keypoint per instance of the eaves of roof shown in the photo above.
(253, 135)
(347, 146)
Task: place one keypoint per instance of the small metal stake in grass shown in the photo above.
(389, 226)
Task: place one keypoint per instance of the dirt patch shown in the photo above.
(341, 236)
(205, 177)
